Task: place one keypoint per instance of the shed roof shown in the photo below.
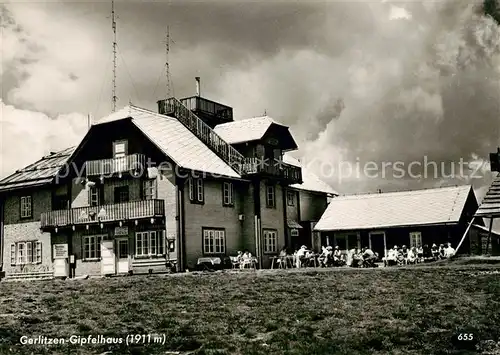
(395, 209)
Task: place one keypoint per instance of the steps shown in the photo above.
(29, 276)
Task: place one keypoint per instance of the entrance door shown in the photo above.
(378, 243)
(107, 257)
(122, 262)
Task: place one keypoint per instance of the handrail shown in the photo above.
(204, 132)
(103, 213)
(115, 165)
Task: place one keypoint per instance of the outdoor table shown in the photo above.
(213, 261)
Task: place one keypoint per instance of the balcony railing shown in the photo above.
(105, 213)
(274, 168)
(208, 107)
(203, 131)
(109, 167)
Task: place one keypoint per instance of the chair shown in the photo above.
(235, 262)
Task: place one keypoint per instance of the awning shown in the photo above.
(293, 224)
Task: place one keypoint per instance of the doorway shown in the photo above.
(378, 243)
(122, 255)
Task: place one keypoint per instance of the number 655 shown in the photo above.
(466, 336)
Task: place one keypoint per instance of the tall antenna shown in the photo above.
(89, 122)
(167, 64)
(113, 25)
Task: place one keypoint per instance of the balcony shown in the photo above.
(275, 169)
(208, 108)
(116, 166)
(134, 210)
(203, 131)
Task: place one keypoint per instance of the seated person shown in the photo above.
(400, 256)
(449, 251)
(441, 251)
(282, 257)
(246, 259)
(322, 258)
(357, 258)
(404, 250)
(411, 257)
(420, 253)
(369, 257)
(435, 251)
(427, 252)
(338, 258)
(391, 258)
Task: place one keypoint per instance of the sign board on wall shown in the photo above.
(121, 230)
(60, 251)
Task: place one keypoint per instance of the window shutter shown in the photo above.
(201, 190)
(30, 255)
(13, 254)
(191, 189)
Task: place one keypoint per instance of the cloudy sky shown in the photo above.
(363, 85)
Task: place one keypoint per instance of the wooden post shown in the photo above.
(489, 235)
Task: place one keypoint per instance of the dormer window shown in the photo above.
(120, 149)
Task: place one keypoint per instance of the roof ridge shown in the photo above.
(404, 192)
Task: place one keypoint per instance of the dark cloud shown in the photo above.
(427, 86)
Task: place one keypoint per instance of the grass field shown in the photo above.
(377, 311)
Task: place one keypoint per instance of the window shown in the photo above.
(121, 194)
(92, 247)
(227, 194)
(119, 149)
(214, 241)
(270, 241)
(196, 193)
(290, 200)
(26, 207)
(270, 197)
(23, 253)
(294, 232)
(149, 189)
(415, 239)
(150, 243)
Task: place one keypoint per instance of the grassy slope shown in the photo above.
(413, 311)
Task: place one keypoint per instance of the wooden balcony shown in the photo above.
(134, 210)
(272, 168)
(204, 132)
(116, 166)
(206, 107)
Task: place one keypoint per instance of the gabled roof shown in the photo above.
(490, 206)
(41, 172)
(174, 140)
(310, 181)
(395, 209)
(247, 130)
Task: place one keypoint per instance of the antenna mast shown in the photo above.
(167, 64)
(113, 25)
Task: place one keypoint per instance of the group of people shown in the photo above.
(404, 256)
(245, 259)
(356, 257)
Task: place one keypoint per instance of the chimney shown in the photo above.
(197, 86)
